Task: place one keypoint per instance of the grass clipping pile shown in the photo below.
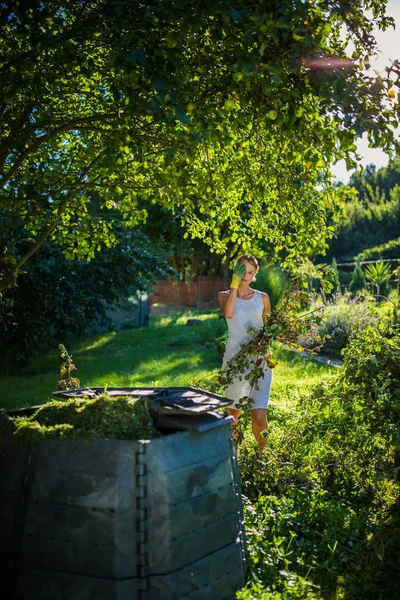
(118, 418)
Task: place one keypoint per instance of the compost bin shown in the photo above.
(109, 519)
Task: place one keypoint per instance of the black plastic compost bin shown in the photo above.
(110, 519)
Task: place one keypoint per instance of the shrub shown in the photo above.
(57, 297)
(322, 511)
(272, 280)
(371, 376)
(342, 320)
(357, 282)
(378, 273)
(388, 250)
(335, 278)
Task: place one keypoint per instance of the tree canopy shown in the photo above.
(228, 113)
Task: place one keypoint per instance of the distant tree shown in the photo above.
(363, 177)
(365, 222)
(396, 311)
(388, 177)
(385, 178)
(357, 282)
(335, 277)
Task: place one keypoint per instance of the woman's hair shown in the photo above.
(250, 258)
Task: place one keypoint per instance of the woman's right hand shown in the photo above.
(238, 273)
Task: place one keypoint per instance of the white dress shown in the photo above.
(248, 313)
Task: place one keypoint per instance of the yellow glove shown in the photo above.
(239, 271)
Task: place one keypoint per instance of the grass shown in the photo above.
(169, 352)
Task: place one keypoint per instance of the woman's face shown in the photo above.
(250, 272)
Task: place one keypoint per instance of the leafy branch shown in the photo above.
(66, 367)
(286, 324)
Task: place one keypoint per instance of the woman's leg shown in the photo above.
(259, 424)
(235, 413)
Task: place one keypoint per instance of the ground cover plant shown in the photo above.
(321, 507)
(343, 316)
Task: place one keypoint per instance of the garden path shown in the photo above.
(328, 360)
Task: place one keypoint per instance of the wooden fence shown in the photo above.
(200, 293)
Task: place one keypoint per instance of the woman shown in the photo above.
(244, 307)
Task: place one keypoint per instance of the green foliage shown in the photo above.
(119, 418)
(308, 274)
(213, 109)
(378, 273)
(385, 178)
(341, 319)
(370, 220)
(389, 250)
(66, 367)
(372, 380)
(322, 513)
(335, 279)
(57, 298)
(272, 280)
(357, 282)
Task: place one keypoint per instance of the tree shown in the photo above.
(369, 222)
(189, 257)
(217, 110)
(396, 311)
(335, 277)
(378, 273)
(307, 272)
(70, 297)
(385, 178)
(357, 282)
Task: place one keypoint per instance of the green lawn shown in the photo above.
(168, 352)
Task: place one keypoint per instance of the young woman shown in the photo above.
(242, 306)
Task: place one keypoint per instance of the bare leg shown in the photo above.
(259, 424)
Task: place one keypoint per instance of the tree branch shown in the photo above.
(74, 124)
(10, 278)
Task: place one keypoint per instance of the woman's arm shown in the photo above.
(267, 304)
(227, 302)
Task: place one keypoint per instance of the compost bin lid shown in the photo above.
(164, 400)
(171, 408)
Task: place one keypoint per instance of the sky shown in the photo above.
(389, 44)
